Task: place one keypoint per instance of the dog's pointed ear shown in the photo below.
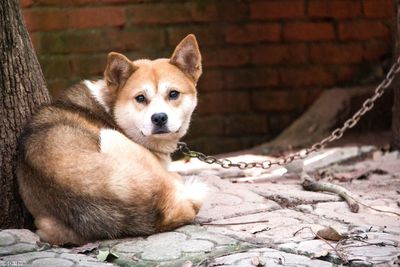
(187, 57)
(119, 69)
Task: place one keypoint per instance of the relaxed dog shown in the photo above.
(93, 165)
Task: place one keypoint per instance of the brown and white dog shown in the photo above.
(93, 164)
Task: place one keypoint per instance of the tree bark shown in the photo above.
(396, 88)
(23, 89)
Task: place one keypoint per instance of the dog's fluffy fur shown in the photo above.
(92, 166)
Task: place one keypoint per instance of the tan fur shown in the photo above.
(85, 171)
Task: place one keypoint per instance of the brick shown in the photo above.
(334, 53)
(114, 1)
(206, 126)
(224, 102)
(279, 101)
(250, 78)
(134, 39)
(70, 3)
(88, 65)
(35, 39)
(238, 125)
(82, 18)
(282, 101)
(55, 67)
(379, 9)
(210, 80)
(278, 54)
(100, 41)
(202, 12)
(60, 2)
(252, 33)
(204, 34)
(159, 14)
(346, 74)
(363, 30)
(337, 9)
(232, 12)
(315, 76)
(308, 31)
(376, 50)
(67, 42)
(277, 9)
(225, 57)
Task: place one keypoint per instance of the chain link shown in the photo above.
(302, 154)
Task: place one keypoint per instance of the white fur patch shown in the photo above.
(113, 142)
(96, 89)
(193, 189)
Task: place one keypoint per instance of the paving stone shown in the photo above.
(377, 248)
(193, 243)
(289, 195)
(270, 257)
(137, 245)
(14, 241)
(51, 258)
(197, 246)
(376, 185)
(6, 239)
(161, 253)
(280, 228)
(365, 217)
(227, 200)
(200, 233)
(51, 262)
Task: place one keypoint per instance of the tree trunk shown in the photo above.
(396, 88)
(23, 89)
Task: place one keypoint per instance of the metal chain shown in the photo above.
(302, 154)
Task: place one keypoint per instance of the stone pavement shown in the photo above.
(257, 218)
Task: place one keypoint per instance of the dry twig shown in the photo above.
(310, 184)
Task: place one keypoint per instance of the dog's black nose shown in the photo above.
(159, 119)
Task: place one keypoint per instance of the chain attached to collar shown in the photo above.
(302, 154)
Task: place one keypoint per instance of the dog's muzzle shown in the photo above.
(159, 121)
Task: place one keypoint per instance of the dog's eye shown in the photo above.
(140, 99)
(173, 95)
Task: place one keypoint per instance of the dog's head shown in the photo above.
(152, 100)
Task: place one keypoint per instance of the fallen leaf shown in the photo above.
(89, 247)
(329, 233)
(257, 261)
(105, 255)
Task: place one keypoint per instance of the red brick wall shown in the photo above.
(264, 61)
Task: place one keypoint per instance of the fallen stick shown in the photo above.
(310, 184)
